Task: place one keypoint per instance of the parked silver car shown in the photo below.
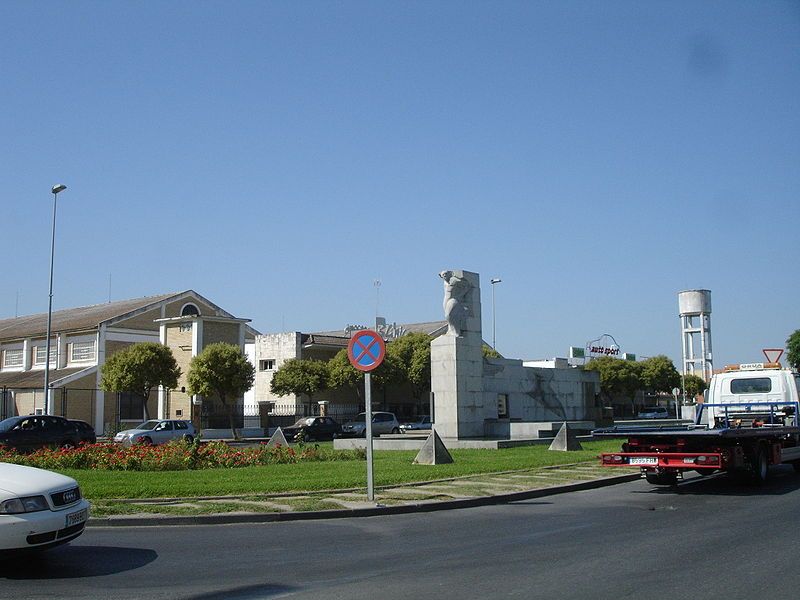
(382, 422)
(157, 431)
(421, 424)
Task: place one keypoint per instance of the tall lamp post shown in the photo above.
(494, 327)
(48, 408)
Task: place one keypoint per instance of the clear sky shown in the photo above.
(278, 157)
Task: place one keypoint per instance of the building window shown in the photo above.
(41, 352)
(502, 406)
(190, 310)
(131, 407)
(13, 358)
(82, 351)
(266, 364)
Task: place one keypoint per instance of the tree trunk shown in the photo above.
(229, 408)
(146, 410)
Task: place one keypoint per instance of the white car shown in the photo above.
(39, 509)
(157, 431)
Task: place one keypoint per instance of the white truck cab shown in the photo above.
(753, 394)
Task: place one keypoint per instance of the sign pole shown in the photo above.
(366, 352)
(368, 416)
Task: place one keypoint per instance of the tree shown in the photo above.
(489, 352)
(411, 357)
(618, 378)
(342, 374)
(138, 369)
(300, 376)
(793, 350)
(693, 385)
(224, 370)
(660, 375)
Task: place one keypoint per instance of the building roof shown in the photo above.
(432, 328)
(89, 317)
(34, 379)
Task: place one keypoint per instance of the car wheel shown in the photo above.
(146, 441)
(760, 467)
(396, 430)
(68, 445)
(188, 438)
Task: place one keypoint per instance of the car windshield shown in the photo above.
(360, 418)
(304, 421)
(7, 424)
(147, 425)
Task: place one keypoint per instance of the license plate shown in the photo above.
(77, 517)
(643, 460)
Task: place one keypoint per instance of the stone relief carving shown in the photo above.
(456, 309)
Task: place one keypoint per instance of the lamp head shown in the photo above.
(496, 280)
(59, 188)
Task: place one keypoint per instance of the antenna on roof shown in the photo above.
(109, 288)
(16, 306)
(377, 284)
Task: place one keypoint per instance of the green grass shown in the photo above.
(390, 468)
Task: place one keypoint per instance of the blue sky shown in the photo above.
(278, 157)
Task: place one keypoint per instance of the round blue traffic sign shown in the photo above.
(366, 350)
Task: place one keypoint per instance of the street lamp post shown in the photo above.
(494, 327)
(48, 408)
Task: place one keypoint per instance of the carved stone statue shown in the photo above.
(456, 309)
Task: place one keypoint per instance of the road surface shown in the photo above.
(709, 538)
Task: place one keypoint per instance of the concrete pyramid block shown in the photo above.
(277, 439)
(433, 452)
(566, 441)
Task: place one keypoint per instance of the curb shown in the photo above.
(345, 513)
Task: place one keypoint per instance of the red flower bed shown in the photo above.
(175, 456)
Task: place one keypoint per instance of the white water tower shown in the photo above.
(695, 313)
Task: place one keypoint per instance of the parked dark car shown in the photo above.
(86, 434)
(37, 431)
(312, 428)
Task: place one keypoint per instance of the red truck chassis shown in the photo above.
(664, 453)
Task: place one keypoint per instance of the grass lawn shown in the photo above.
(390, 467)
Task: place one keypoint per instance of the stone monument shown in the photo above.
(457, 360)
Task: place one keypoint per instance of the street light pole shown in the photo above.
(48, 408)
(494, 327)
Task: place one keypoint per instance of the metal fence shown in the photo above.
(215, 416)
(70, 403)
(82, 404)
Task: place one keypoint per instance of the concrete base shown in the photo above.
(225, 434)
(408, 442)
(523, 430)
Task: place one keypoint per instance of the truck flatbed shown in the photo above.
(693, 431)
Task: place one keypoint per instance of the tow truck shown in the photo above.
(749, 422)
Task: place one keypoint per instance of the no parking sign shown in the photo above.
(366, 350)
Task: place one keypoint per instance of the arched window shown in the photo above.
(190, 310)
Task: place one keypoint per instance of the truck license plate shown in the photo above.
(643, 460)
(77, 517)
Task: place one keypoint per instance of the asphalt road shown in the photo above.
(709, 538)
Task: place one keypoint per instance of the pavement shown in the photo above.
(445, 494)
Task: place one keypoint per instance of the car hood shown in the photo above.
(355, 425)
(18, 480)
(134, 431)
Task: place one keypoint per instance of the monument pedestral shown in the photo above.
(457, 360)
